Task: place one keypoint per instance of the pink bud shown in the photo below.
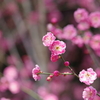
(48, 78)
(66, 63)
(56, 73)
(54, 58)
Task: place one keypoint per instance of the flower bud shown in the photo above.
(56, 73)
(66, 63)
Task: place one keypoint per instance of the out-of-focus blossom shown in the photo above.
(11, 73)
(14, 87)
(78, 41)
(88, 76)
(80, 15)
(69, 32)
(83, 25)
(57, 47)
(97, 97)
(3, 98)
(48, 39)
(95, 42)
(89, 93)
(56, 31)
(86, 37)
(94, 19)
(10, 8)
(50, 27)
(54, 16)
(50, 97)
(35, 73)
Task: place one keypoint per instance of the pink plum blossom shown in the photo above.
(50, 97)
(35, 73)
(57, 47)
(89, 93)
(50, 27)
(69, 32)
(94, 19)
(80, 14)
(56, 31)
(78, 41)
(48, 39)
(54, 16)
(88, 76)
(14, 87)
(11, 73)
(95, 42)
(86, 37)
(3, 98)
(83, 25)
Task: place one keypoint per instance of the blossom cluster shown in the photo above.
(55, 46)
(73, 35)
(87, 77)
(81, 34)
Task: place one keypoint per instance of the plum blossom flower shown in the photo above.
(3, 98)
(83, 25)
(80, 14)
(89, 93)
(88, 76)
(94, 19)
(57, 47)
(35, 73)
(86, 37)
(95, 42)
(69, 32)
(14, 87)
(78, 41)
(10, 73)
(48, 39)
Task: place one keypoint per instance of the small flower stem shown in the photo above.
(70, 68)
(73, 72)
(67, 73)
(45, 73)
